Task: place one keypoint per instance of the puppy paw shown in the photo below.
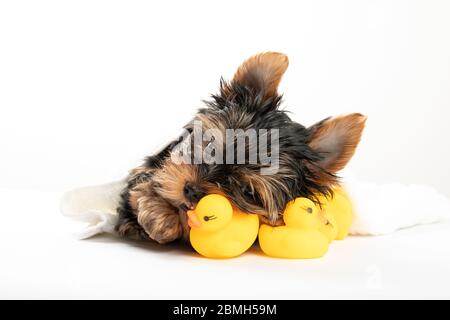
(162, 227)
(132, 230)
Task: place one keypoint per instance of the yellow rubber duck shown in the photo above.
(337, 213)
(309, 228)
(300, 238)
(220, 231)
(328, 224)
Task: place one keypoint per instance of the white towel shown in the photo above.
(95, 205)
(384, 208)
(378, 208)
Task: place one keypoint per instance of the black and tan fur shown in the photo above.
(159, 192)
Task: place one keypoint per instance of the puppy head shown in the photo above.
(307, 159)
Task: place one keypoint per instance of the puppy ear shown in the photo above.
(335, 140)
(262, 73)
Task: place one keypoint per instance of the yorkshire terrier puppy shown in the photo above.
(162, 189)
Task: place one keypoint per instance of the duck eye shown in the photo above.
(309, 210)
(207, 218)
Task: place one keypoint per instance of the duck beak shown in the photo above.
(193, 221)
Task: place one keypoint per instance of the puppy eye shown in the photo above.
(248, 193)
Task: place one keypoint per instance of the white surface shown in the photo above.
(41, 258)
(88, 87)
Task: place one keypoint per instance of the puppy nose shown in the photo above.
(192, 192)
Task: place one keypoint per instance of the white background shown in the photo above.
(88, 88)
